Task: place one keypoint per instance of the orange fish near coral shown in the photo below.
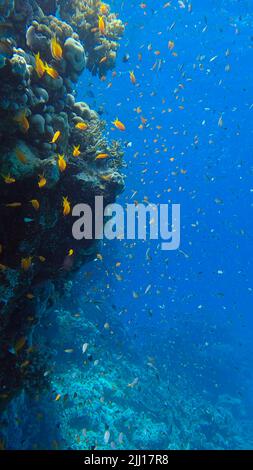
(81, 125)
(106, 177)
(39, 65)
(62, 163)
(22, 120)
(26, 263)
(132, 77)
(119, 125)
(20, 155)
(42, 181)
(51, 71)
(29, 296)
(9, 179)
(103, 9)
(101, 25)
(35, 203)
(56, 49)
(101, 156)
(55, 137)
(66, 206)
(76, 151)
(171, 45)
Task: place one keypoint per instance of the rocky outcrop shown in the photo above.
(40, 125)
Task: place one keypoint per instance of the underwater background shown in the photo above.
(121, 345)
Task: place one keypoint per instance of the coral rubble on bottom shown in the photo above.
(101, 396)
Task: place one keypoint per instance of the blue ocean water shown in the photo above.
(196, 318)
(169, 333)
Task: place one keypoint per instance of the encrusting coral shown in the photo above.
(40, 126)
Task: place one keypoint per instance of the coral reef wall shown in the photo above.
(48, 163)
(101, 46)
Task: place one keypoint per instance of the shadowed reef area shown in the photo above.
(44, 48)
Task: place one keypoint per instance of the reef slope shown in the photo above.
(49, 145)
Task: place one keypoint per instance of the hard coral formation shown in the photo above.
(75, 57)
(36, 103)
(101, 44)
(108, 387)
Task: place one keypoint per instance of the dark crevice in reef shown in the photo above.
(36, 101)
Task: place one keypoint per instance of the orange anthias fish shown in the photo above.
(26, 263)
(119, 125)
(81, 125)
(51, 71)
(101, 25)
(171, 45)
(66, 206)
(22, 120)
(8, 179)
(76, 151)
(39, 66)
(20, 155)
(103, 9)
(106, 177)
(62, 163)
(55, 137)
(29, 296)
(132, 77)
(42, 181)
(35, 203)
(56, 49)
(101, 156)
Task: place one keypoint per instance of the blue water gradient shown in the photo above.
(188, 340)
